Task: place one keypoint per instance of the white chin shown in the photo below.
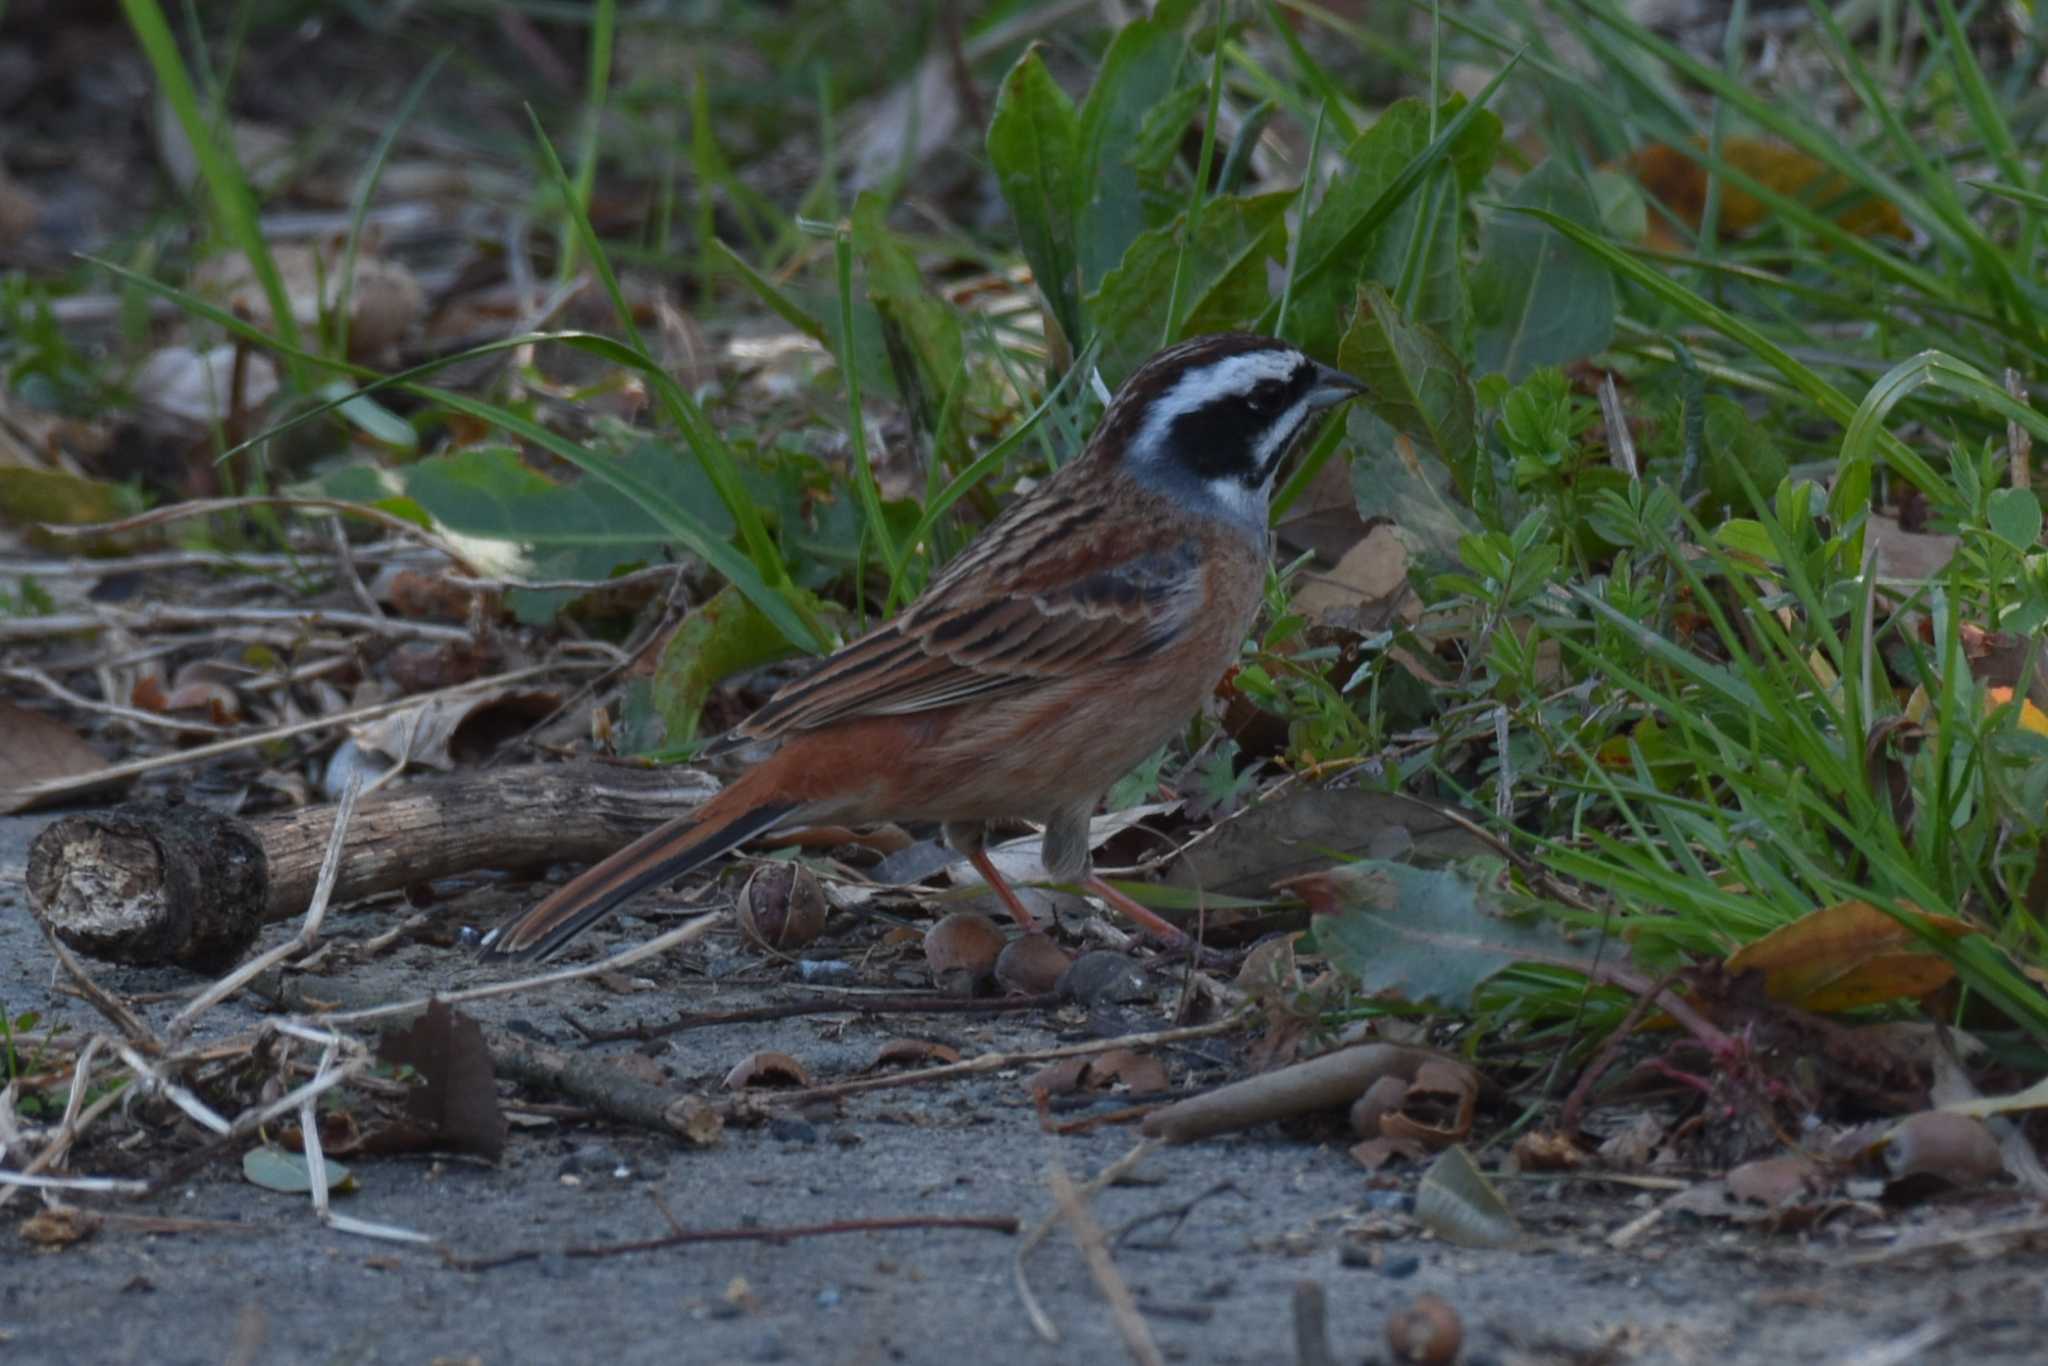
(1238, 502)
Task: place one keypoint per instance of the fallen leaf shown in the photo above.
(766, 1068)
(458, 1104)
(59, 1227)
(1956, 1148)
(912, 1052)
(1847, 955)
(1776, 1182)
(36, 747)
(1457, 1203)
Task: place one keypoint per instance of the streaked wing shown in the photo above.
(1040, 594)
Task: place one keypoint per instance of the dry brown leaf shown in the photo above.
(1847, 955)
(59, 1227)
(458, 1105)
(450, 731)
(1776, 1182)
(913, 1053)
(1365, 589)
(1957, 1148)
(1679, 183)
(767, 1068)
(36, 747)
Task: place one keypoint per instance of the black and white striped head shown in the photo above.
(1210, 420)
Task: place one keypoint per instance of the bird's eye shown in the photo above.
(1265, 397)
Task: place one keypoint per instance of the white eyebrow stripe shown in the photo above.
(1197, 388)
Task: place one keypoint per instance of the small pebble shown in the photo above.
(792, 1130)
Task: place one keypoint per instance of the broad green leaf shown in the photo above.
(1034, 146)
(723, 636)
(1117, 201)
(1224, 284)
(1539, 299)
(1412, 237)
(278, 1170)
(1413, 383)
(584, 530)
(2015, 517)
(1428, 936)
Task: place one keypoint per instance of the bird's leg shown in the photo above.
(1066, 858)
(967, 837)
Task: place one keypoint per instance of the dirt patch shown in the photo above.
(266, 1282)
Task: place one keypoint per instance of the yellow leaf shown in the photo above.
(1847, 955)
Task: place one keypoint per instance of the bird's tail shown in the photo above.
(666, 852)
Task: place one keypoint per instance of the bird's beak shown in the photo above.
(1332, 387)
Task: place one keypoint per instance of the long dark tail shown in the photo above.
(666, 852)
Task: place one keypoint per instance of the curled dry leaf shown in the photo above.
(913, 1053)
(1412, 1118)
(1032, 964)
(1456, 1202)
(1956, 1148)
(447, 732)
(1427, 1332)
(1138, 1073)
(1847, 955)
(1329, 1082)
(766, 1069)
(1546, 1150)
(1776, 1182)
(1381, 1099)
(1135, 1071)
(1059, 1078)
(782, 907)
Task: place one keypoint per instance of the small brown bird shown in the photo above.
(1079, 631)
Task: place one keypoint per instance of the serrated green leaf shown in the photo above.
(1538, 299)
(1224, 283)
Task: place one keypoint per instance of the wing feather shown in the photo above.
(1040, 593)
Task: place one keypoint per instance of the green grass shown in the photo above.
(1681, 693)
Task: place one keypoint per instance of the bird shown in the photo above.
(1069, 640)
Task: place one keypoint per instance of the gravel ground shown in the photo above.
(273, 1285)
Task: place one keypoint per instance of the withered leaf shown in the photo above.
(458, 1102)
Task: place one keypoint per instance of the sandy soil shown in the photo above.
(279, 1287)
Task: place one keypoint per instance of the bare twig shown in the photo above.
(53, 787)
(890, 1003)
(996, 1062)
(170, 616)
(1311, 1325)
(994, 1223)
(1123, 1307)
(309, 931)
